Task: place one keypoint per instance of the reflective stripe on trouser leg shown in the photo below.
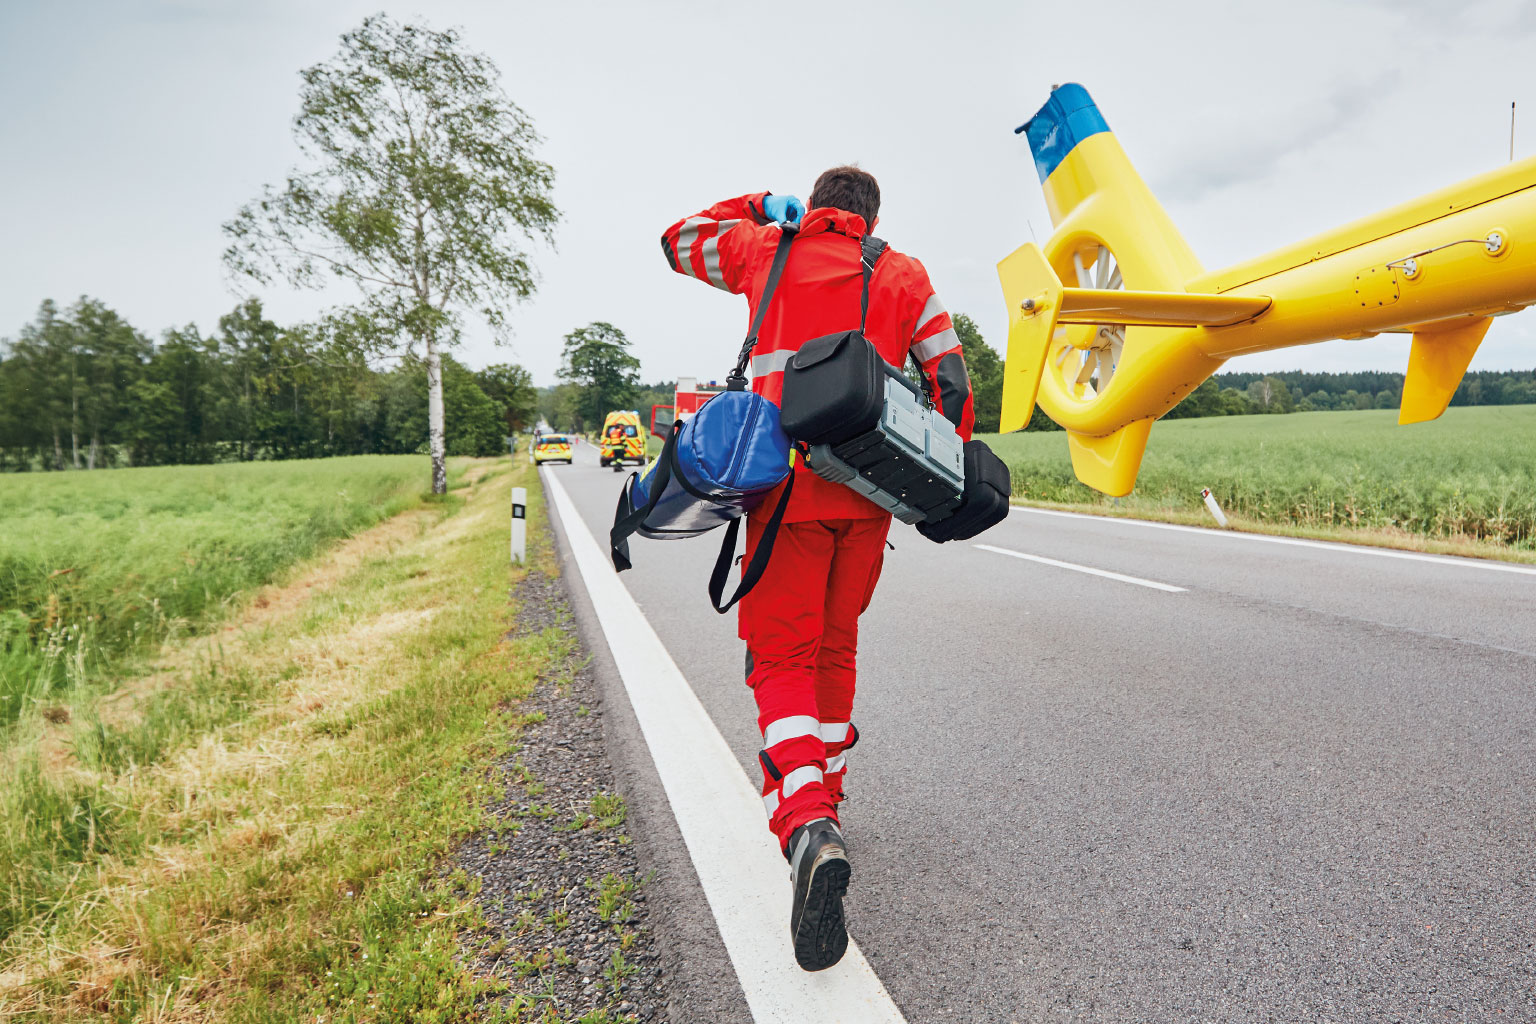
(790, 727)
(791, 740)
(837, 737)
(791, 784)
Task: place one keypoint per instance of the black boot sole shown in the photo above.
(822, 937)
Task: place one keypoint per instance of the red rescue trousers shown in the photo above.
(801, 625)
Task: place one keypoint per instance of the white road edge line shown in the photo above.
(1090, 570)
(720, 814)
(1323, 545)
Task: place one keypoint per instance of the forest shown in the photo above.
(82, 388)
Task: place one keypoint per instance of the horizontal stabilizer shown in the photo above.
(1436, 364)
(1157, 309)
(1110, 463)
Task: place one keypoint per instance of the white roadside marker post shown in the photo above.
(1215, 509)
(520, 525)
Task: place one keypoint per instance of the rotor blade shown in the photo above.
(1085, 373)
(1101, 267)
(1115, 280)
(1083, 280)
(1061, 356)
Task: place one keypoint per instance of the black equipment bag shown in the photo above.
(866, 425)
(988, 486)
(834, 386)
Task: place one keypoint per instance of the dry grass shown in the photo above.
(277, 860)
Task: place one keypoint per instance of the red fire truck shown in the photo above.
(689, 397)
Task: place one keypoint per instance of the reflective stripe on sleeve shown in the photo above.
(834, 732)
(685, 237)
(837, 764)
(771, 802)
(936, 346)
(790, 728)
(712, 255)
(932, 309)
(802, 776)
(711, 249)
(771, 362)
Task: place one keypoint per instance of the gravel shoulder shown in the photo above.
(563, 898)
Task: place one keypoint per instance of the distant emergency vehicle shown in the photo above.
(689, 397)
(552, 448)
(621, 424)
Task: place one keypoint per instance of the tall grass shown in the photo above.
(262, 840)
(1472, 473)
(95, 567)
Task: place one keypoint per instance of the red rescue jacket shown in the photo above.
(731, 245)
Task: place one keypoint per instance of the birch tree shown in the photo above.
(422, 189)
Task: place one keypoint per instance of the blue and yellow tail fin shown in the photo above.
(1059, 308)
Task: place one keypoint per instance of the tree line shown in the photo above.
(1246, 394)
(83, 388)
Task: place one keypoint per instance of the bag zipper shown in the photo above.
(740, 453)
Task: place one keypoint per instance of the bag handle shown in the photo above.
(737, 379)
(626, 523)
(753, 570)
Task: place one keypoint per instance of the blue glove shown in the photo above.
(783, 209)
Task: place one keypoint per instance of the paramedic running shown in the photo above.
(801, 621)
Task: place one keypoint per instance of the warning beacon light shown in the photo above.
(1113, 321)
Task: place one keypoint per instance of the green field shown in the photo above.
(1470, 474)
(97, 566)
(254, 827)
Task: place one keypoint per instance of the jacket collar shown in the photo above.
(829, 218)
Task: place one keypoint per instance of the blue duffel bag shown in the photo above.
(715, 467)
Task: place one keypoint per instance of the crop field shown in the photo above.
(95, 567)
(1469, 475)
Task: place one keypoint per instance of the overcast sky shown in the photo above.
(130, 130)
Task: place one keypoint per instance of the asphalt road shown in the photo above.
(1289, 782)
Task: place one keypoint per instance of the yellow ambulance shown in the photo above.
(621, 427)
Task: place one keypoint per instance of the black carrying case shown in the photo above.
(834, 395)
(837, 398)
(988, 487)
(834, 389)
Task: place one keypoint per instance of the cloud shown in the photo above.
(1219, 162)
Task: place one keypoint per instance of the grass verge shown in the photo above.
(258, 837)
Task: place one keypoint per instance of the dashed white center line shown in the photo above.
(1090, 570)
(719, 814)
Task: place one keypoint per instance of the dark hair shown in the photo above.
(848, 188)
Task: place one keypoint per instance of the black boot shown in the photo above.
(818, 867)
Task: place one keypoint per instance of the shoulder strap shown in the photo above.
(870, 251)
(753, 570)
(737, 380)
(627, 518)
